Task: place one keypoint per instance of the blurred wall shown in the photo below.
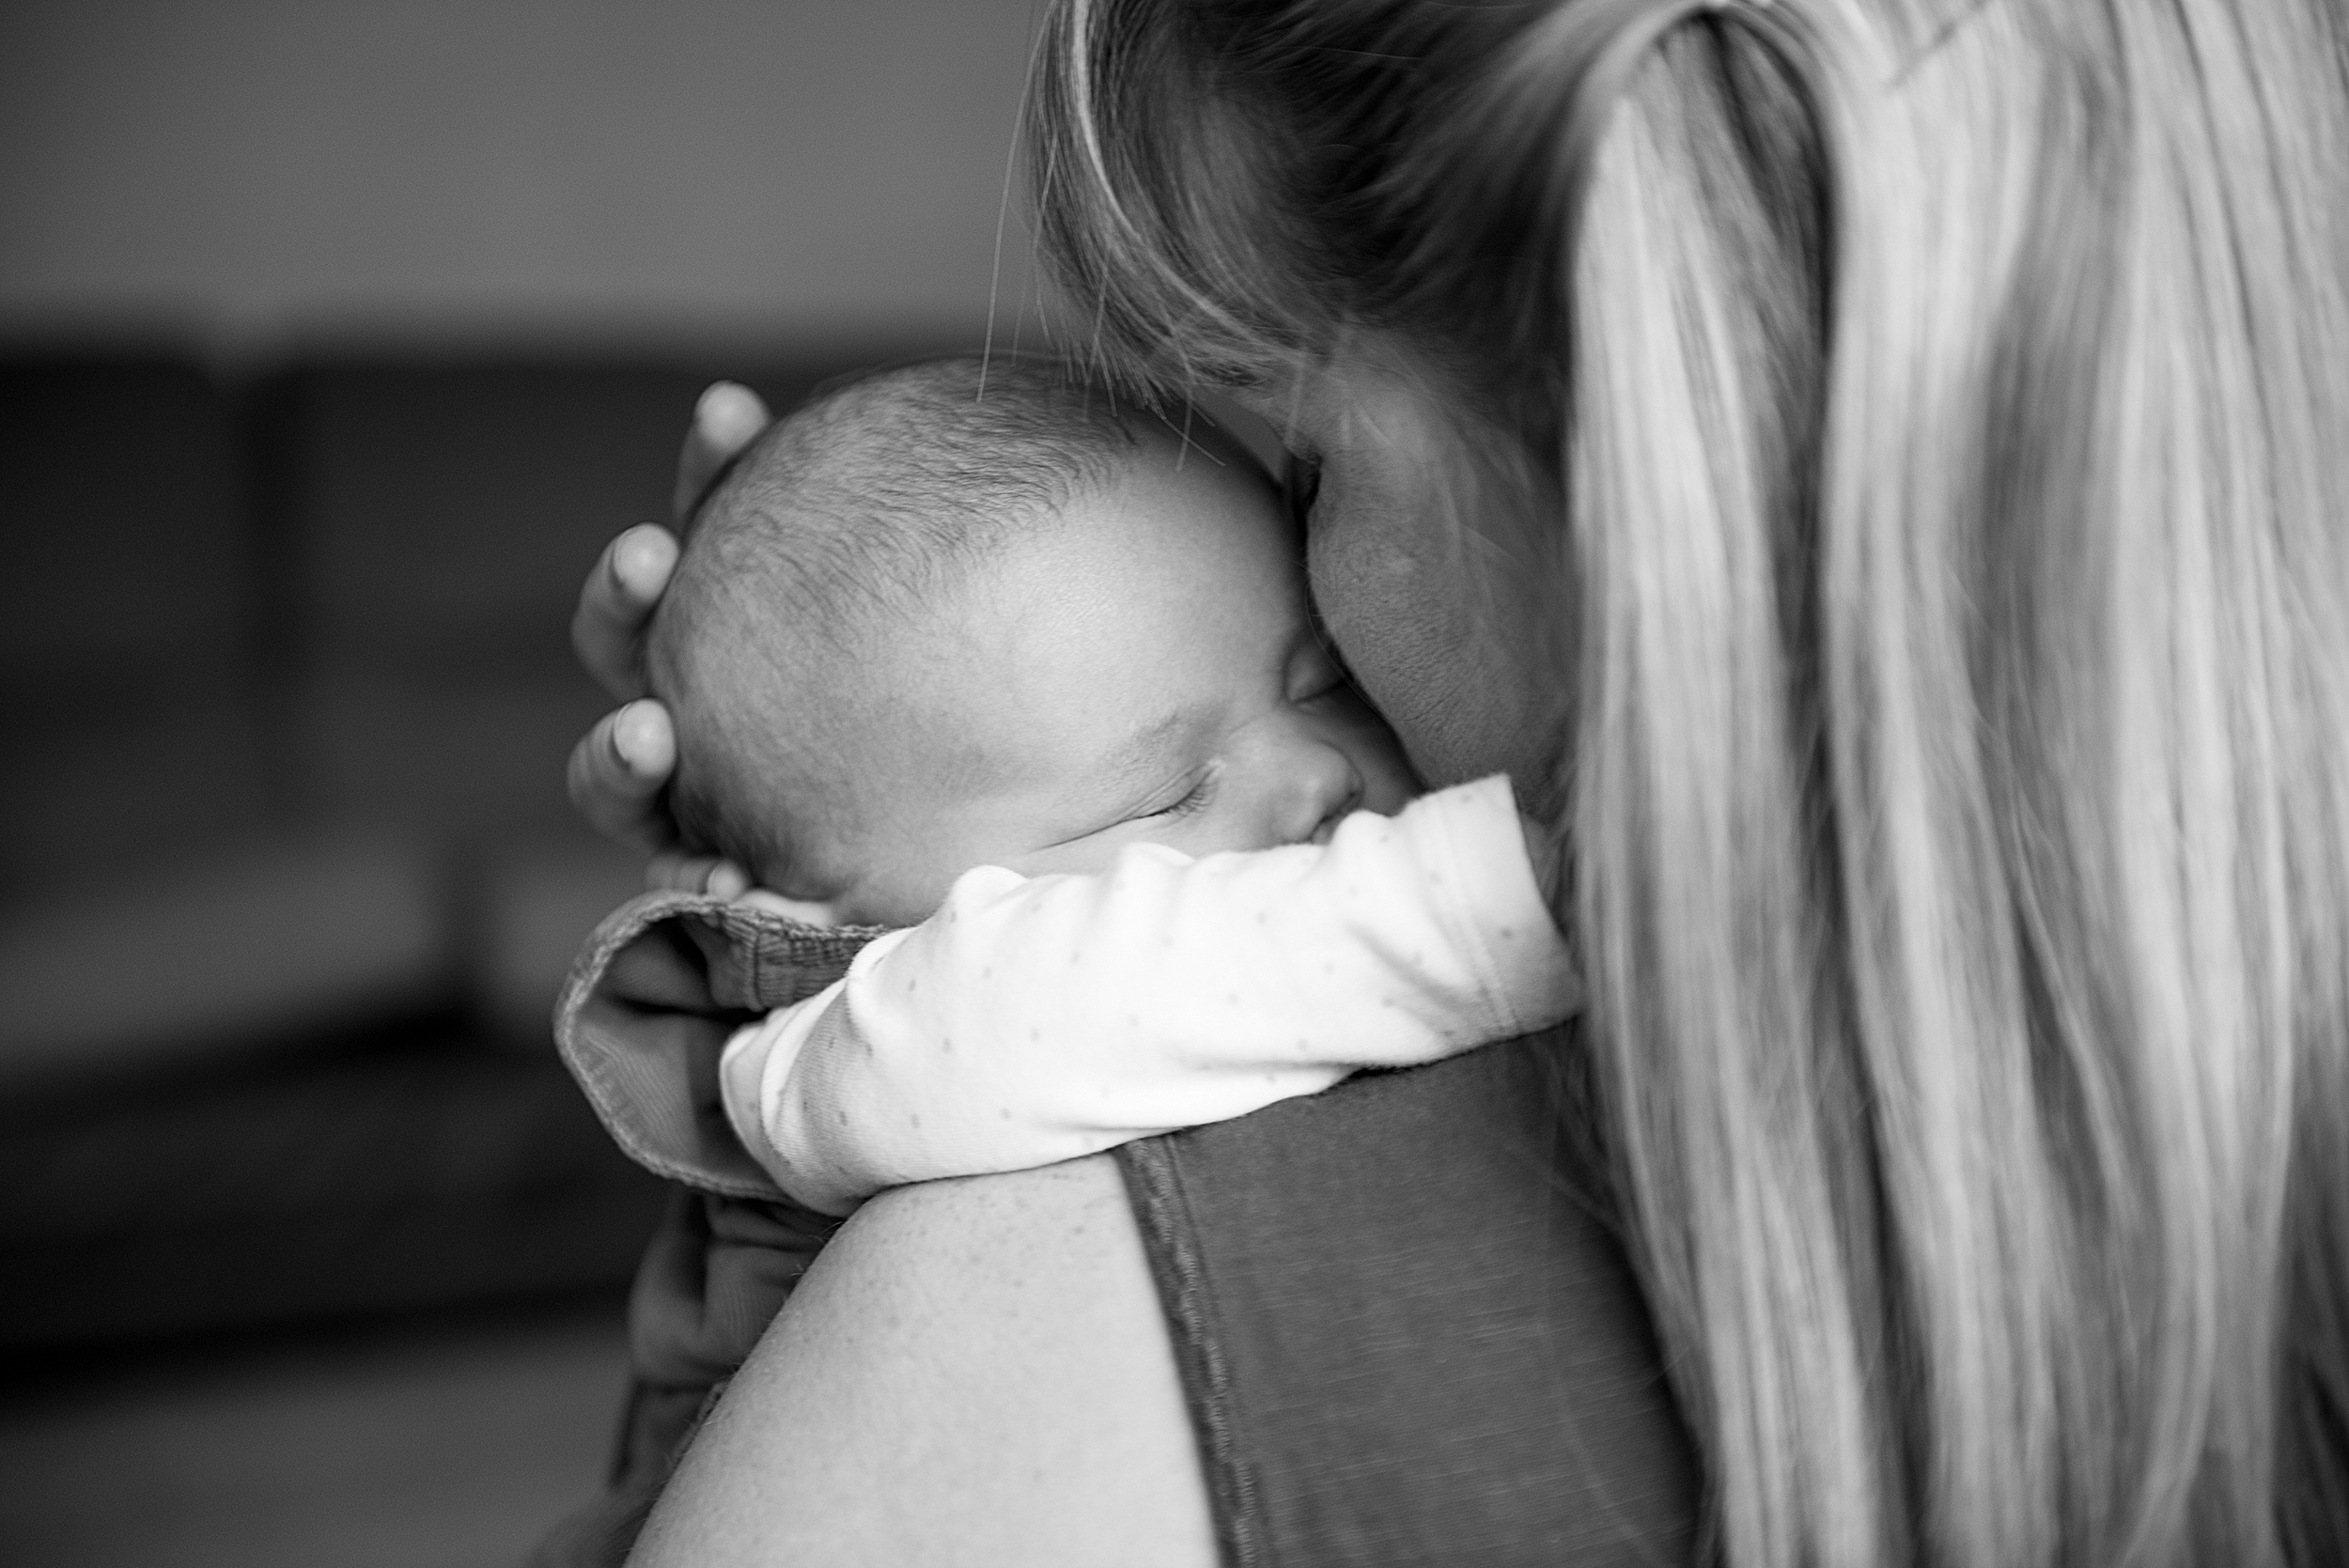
(259, 170)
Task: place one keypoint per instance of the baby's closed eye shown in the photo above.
(1190, 795)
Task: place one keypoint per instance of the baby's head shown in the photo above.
(944, 616)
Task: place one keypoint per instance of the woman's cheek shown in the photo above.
(1458, 674)
(1374, 602)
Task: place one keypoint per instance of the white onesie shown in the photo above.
(1034, 1019)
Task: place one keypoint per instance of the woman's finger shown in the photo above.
(607, 627)
(617, 772)
(727, 418)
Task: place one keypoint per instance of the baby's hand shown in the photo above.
(678, 871)
(791, 909)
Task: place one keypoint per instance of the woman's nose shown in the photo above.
(1323, 787)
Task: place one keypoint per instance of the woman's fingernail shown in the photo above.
(628, 735)
(640, 558)
(728, 409)
(720, 401)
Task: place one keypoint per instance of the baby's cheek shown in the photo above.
(1086, 856)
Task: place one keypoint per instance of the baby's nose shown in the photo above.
(1325, 787)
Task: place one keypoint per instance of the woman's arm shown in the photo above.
(973, 1372)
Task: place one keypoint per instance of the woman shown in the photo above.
(1873, 469)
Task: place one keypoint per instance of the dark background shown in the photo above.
(335, 338)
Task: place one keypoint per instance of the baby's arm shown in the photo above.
(1036, 1019)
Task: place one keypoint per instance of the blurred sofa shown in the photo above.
(287, 876)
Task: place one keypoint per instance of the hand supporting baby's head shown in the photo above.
(952, 614)
(818, 578)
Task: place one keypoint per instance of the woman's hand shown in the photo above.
(619, 768)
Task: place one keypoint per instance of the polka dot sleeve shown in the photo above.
(1034, 1019)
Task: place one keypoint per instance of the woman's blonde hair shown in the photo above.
(1951, 404)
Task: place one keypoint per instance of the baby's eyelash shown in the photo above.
(1194, 799)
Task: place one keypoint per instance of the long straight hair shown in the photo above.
(1947, 402)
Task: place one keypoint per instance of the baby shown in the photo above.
(974, 652)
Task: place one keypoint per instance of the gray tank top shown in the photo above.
(1409, 1332)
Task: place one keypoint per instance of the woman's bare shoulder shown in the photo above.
(973, 1372)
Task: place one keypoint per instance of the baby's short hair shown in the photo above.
(840, 525)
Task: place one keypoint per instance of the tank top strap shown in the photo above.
(1409, 1332)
